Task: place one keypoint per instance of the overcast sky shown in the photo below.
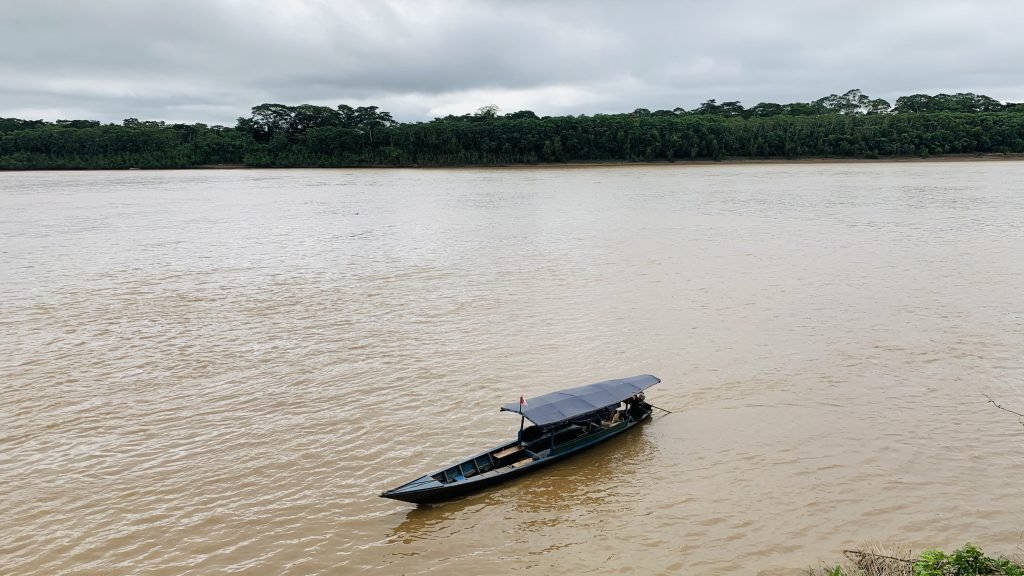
(211, 60)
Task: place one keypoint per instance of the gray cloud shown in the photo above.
(210, 60)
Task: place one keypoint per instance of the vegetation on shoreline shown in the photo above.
(850, 125)
(967, 561)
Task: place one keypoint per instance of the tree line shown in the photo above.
(849, 125)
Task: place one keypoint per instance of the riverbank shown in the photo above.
(765, 161)
(879, 560)
(618, 164)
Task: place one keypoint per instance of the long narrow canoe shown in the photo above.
(564, 423)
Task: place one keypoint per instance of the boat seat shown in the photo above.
(522, 462)
(508, 451)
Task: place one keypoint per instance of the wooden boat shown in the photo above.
(564, 423)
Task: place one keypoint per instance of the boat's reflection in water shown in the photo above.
(588, 481)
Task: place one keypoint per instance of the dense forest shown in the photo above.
(850, 125)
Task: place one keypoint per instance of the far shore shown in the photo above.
(620, 163)
(581, 165)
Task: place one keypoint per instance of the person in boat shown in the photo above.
(635, 406)
(611, 417)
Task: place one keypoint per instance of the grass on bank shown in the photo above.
(878, 561)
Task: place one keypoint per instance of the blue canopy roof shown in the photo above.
(572, 402)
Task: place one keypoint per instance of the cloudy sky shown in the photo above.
(211, 60)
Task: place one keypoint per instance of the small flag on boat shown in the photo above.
(522, 403)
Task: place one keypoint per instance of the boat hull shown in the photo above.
(428, 490)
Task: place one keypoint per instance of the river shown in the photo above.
(206, 372)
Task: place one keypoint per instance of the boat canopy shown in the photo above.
(572, 402)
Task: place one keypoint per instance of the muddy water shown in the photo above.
(211, 372)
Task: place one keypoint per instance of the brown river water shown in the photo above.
(211, 372)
